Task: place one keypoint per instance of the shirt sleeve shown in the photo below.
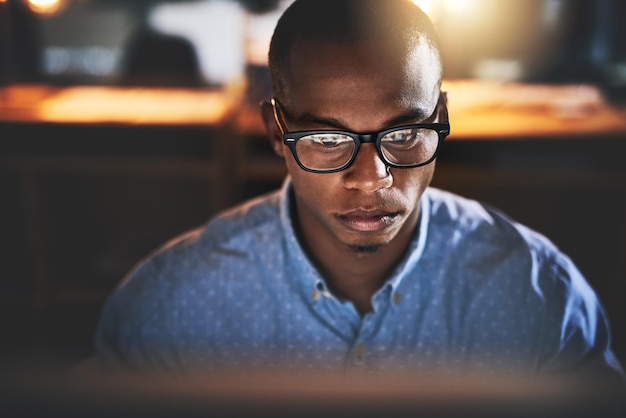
(582, 344)
(133, 334)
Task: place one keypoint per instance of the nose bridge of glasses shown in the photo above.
(372, 139)
(368, 171)
(368, 154)
(367, 138)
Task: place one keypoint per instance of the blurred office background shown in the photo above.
(125, 123)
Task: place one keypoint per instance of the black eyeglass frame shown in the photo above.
(290, 138)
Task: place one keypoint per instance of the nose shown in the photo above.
(368, 172)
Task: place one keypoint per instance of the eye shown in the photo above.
(404, 138)
(329, 140)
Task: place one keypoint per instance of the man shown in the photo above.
(356, 263)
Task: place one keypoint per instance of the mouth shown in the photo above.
(366, 221)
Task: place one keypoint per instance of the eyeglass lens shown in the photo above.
(402, 147)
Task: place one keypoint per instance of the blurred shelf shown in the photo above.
(498, 110)
(478, 109)
(114, 105)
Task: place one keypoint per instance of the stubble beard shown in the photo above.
(366, 248)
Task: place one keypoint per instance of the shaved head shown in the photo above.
(396, 26)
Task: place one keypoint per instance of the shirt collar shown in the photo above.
(416, 246)
(302, 267)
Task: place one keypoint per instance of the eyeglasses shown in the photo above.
(330, 151)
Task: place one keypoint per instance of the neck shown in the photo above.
(357, 276)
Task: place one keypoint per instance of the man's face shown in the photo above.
(362, 89)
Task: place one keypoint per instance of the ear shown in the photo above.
(273, 132)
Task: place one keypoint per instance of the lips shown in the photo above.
(368, 221)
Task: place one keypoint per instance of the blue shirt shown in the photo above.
(476, 291)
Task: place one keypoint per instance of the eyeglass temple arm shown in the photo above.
(276, 118)
(443, 107)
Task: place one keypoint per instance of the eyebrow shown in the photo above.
(411, 116)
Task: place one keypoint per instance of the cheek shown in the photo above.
(299, 177)
(426, 175)
(413, 182)
(319, 190)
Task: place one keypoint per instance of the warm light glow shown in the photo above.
(456, 5)
(45, 6)
(425, 5)
(97, 104)
(435, 8)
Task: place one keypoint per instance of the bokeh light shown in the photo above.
(46, 6)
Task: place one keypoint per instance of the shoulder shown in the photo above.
(221, 253)
(169, 297)
(487, 225)
(484, 225)
(541, 283)
(490, 251)
(236, 233)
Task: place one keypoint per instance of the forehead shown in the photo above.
(324, 77)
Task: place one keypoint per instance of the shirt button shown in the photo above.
(315, 295)
(360, 351)
(397, 297)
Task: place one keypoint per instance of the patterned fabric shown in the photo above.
(476, 292)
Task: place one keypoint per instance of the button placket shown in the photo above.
(360, 348)
(357, 356)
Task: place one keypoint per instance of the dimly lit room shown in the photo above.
(126, 123)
